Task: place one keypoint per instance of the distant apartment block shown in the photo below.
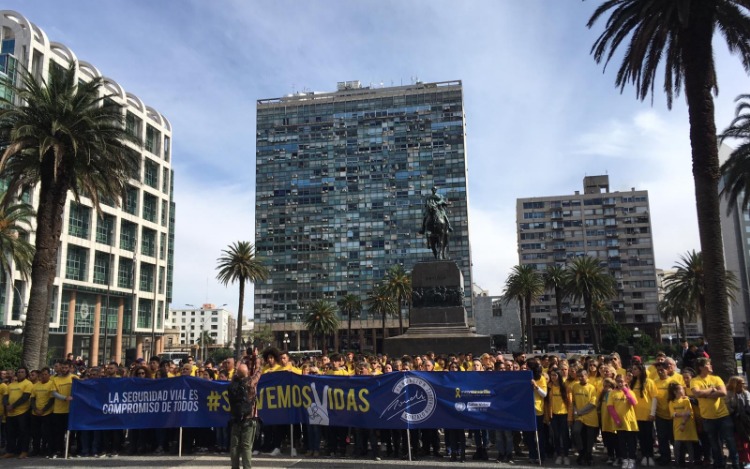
(613, 227)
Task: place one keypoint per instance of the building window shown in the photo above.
(164, 213)
(130, 202)
(148, 243)
(133, 125)
(79, 220)
(128, 235)
(101, 268)
(75, 266)
(152, 140)
(147, 277)
(105, 230)
(145, 311)
(151, 174)
(149, 207)
(167, 148)
(125, 273)
(165, 180)
(161, 279)
(497, 308)
(162, 245)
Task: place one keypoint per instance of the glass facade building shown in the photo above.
(340, 182)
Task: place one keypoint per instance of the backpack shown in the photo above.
(239, 402)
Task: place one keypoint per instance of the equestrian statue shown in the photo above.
(435, 224)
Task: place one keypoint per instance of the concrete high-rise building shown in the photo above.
(735, 229)
(114, 276)
(614, 227)
(340, 182)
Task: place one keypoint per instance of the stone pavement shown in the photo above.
(263, 461)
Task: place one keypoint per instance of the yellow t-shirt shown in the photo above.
(539, 400)
(292, 369)
(62, 385)
(621, 371)
(584, 395)
(3, 392)
(438, 367)
(608, 425)
(42, 393)
(16, 391)
(688, 433)
(596, 381)
(662, 395)
(645, 397)
(557, 404)
(652, 373)
(624, 409)
(341, 372)
(710, 407)
(270, 369)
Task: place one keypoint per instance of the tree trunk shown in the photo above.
(238, 340)
(700, 75)
(382, 344)
(558, 305)
(588, 305)
(522, 316)
(529, 324)
(683, 328)
(400, 317)
(349, 332)
(52, 198)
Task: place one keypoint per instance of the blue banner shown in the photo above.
(468, 400)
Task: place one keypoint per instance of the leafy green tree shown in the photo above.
(736, 170)
(525, 282)
(686, 287)
(321, 320)
(350, 305)
(239, 264)
(380, 302)
(554, 279)
(10, 355)
(677, 310)
(588, 281)
(398, 284)
(64, 136)
(676, 36)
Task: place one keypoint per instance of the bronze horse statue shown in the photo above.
(437, 227)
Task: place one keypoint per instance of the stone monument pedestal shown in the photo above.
(437, 321)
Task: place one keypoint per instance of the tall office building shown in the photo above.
(735, 229)
(341, 179)
(614, 227)
(214, 323)
(114, 275)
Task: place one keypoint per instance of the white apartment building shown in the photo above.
(115, 272)
(219, 324)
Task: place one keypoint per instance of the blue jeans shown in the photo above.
(717, 430)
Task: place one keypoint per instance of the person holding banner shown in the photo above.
(62, 385)
(532, 439)
(242, 393)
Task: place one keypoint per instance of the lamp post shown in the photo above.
(511, 339)
(286, 341)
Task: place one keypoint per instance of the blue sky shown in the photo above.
(540, 113)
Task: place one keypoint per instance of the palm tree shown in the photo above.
(554, 279)
(588, 281)
(674, 309)
(681, 33)
(65, 136)
(350, 305)
(736, 170)
(15, 227)
(380, 301)
(511, 294)
(686, 287)
(321, 320)
(398, 284)
(239, 264)
(526, 283)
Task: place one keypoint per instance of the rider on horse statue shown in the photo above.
(435, 221)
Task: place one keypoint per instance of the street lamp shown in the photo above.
(636, 333)
(511, 339)
(19, 330)
(286, 341)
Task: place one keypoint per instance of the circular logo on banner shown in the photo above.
(414, 402)
(460, 406)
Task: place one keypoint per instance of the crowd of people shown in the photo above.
(689, 415)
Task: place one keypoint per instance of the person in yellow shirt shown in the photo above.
(621, 407)
(645, 392)
(653, 372)
(685, 434)
(710, 392)
(3, 391)
(609, 429)
(539, 388)
(62, 387)
(41, 414)
(287, 365)
(17, 403)
(559, 405)
(662, 417)
(586, 424)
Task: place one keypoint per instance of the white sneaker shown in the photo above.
(617, 462)
(256, 452)
(275, 452)
(566, 461)
(651, 461)
(558, 460)
(632, 464)
(625, 464)
(644, 461)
